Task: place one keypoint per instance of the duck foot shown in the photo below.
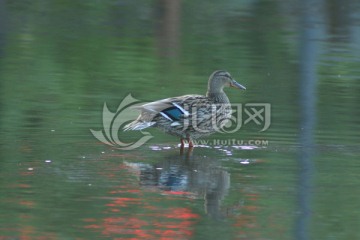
(188, 152)
(191, 145)
(182, 143)
(182, 146)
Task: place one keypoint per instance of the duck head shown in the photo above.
(220, 79)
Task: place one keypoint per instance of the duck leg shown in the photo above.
(182, 146)
(191, 145)
(190, 149)
(182, 143)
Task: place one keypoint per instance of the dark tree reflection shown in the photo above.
(308, 80)
(168, 28)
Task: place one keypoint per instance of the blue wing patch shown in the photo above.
(173, 113)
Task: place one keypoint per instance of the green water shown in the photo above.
(60, 61)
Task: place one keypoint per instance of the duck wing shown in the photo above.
(169, 112)
(174, 108)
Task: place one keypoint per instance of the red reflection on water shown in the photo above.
(247, 222)
(25, 231)
(125, 191)
(27, 203)
(150, 223)
(123, 202)
(134, 213)
(20, 185)
(24, 221)
(180, 213)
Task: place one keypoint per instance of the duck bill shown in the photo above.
(237, 85)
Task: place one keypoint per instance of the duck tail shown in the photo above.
(138, 125)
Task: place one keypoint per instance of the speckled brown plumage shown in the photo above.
(190, 116)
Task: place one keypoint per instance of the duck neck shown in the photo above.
(218, 97)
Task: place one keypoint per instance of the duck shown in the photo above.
(191, 116)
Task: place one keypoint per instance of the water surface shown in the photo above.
(60, 61)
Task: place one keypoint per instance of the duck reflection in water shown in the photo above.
(194, 178)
